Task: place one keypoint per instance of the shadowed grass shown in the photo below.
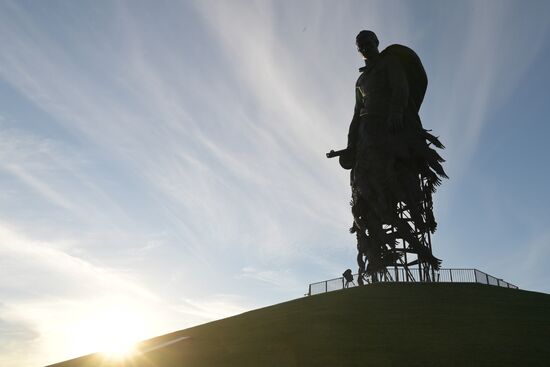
(388, 324)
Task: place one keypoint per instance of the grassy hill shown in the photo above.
(389, 324)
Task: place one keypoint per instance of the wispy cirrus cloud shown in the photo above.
(186, 141)
(45, 289)
(477, 64)
(51, 297)
(215, 306)
(209, 174)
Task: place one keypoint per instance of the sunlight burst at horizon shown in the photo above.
(113, 332)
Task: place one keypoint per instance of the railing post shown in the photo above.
(326, 286)
(451, 274)
(487, 277)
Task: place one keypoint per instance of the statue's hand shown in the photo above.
(395, 122)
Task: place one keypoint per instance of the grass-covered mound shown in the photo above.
(390, 324)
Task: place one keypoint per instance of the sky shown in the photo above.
(162, 163)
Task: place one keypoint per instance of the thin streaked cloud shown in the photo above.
(174, 153)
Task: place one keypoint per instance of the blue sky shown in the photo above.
(164, 160)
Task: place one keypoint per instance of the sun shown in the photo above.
(119, 349)
(113, 332)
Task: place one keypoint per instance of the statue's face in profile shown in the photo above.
(367, 44)
(362, 50)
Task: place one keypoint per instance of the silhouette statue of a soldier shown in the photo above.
(392, 164)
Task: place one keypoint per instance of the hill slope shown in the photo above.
(387, 324)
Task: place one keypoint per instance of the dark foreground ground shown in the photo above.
(377, 325)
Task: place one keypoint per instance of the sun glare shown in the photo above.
(112, 332)
(120, 349)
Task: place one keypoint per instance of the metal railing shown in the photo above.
(412, 276)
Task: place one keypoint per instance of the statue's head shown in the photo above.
(367, 43)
